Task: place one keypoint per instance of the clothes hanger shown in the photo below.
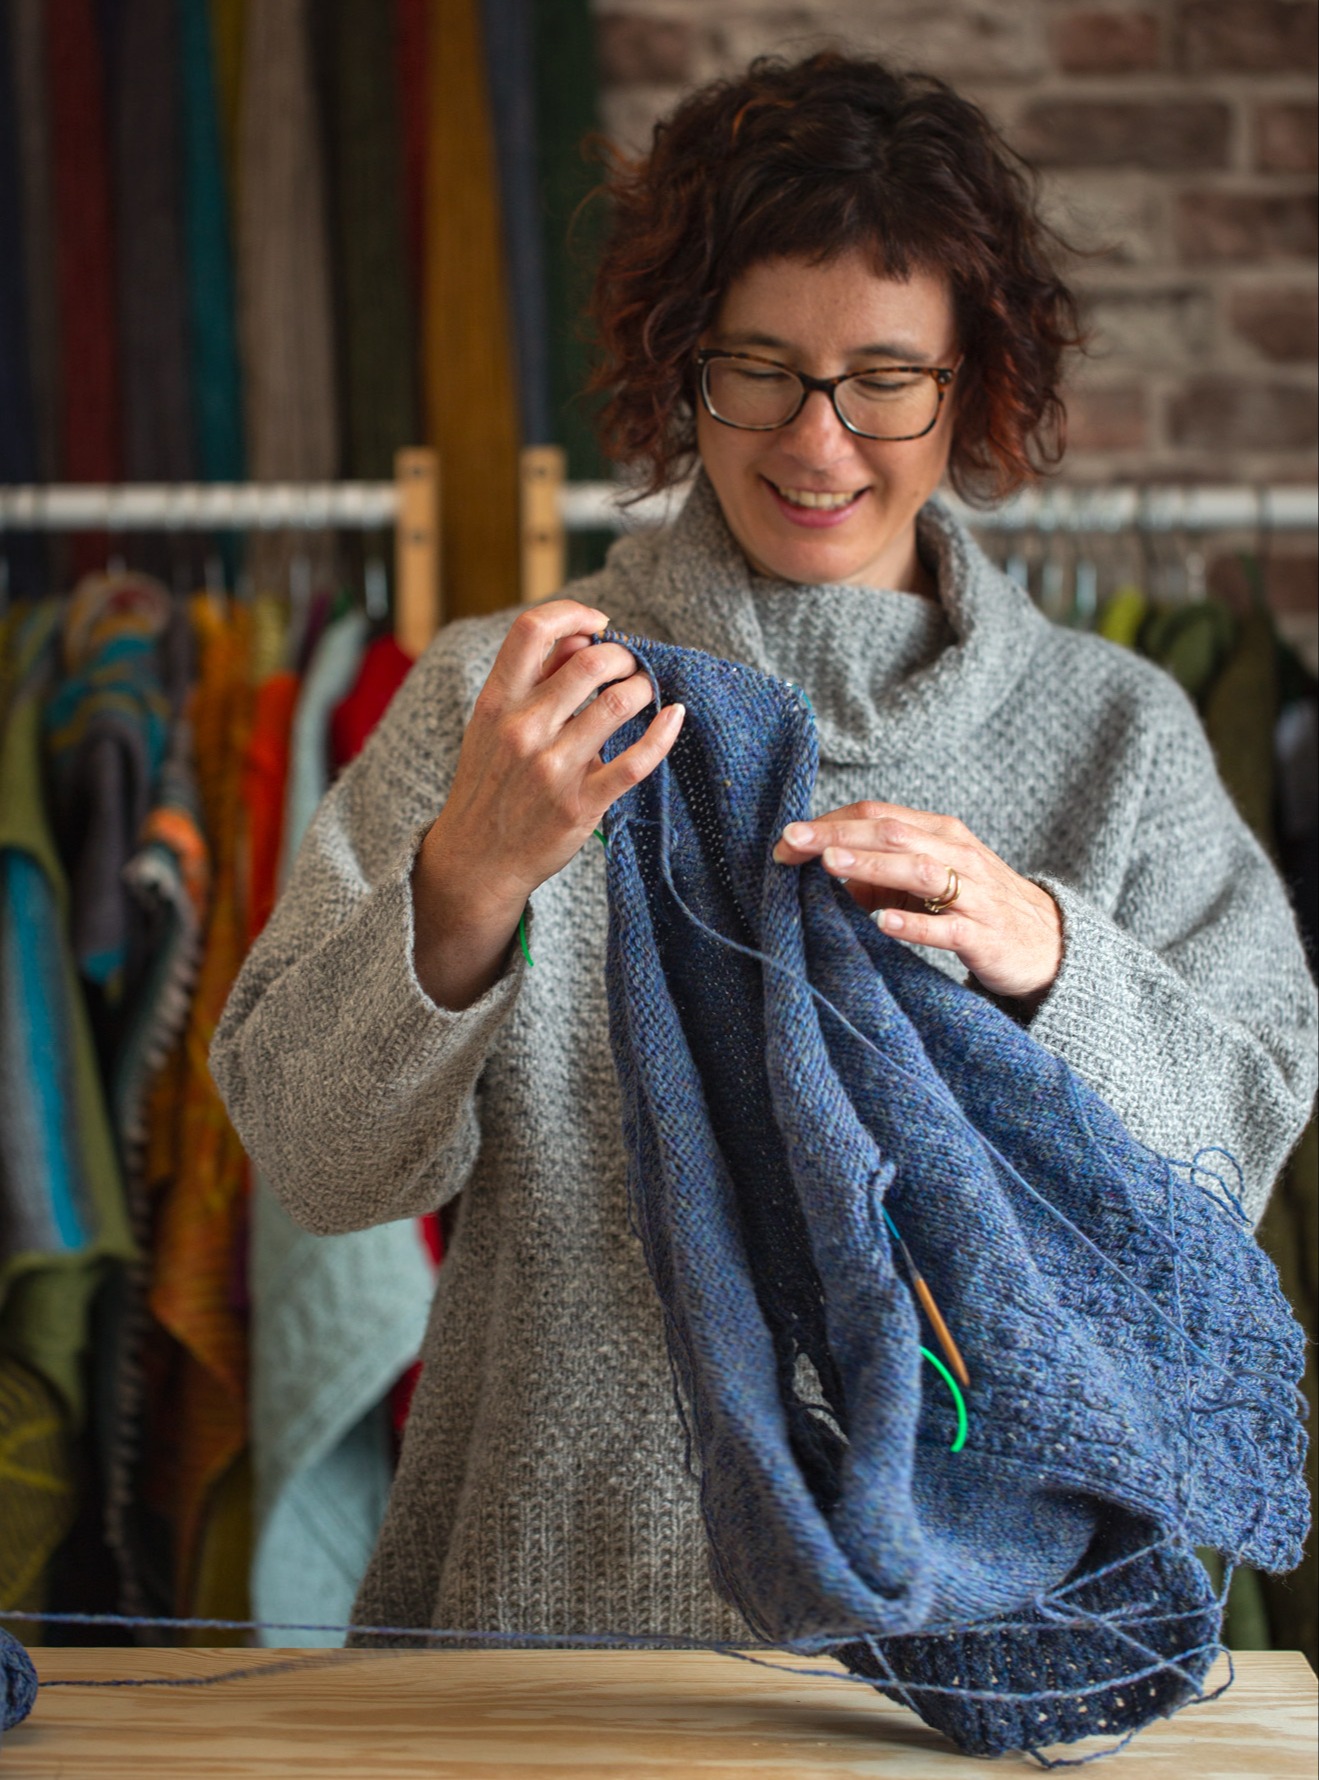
(375, 590)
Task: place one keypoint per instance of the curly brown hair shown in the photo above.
(806, 161)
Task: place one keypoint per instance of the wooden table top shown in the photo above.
(572, 1715)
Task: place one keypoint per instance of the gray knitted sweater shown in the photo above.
(541, 1485)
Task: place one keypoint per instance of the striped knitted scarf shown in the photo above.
(796, 1091)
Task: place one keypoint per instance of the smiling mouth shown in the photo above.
(816, 499)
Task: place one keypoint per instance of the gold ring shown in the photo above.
(935, 905)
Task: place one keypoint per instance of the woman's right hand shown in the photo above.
(528, 790)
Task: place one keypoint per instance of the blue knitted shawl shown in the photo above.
(790, 1075)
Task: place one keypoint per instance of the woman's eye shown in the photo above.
(883, 386)
(745, 374)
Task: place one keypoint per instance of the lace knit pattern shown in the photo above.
(541, 1484)
(1133, 1362)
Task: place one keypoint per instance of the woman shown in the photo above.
(827, 283)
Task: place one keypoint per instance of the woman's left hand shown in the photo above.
(1006, 930)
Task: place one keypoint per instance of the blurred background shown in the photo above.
(250, 252)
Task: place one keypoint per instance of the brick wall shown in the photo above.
(1177, 137)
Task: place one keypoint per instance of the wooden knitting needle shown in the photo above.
(951, 1351)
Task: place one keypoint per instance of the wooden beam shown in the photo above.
(418, 606)
(544, 542)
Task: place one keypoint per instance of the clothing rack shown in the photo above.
(587, 506)
(410, 505)
(551, 507)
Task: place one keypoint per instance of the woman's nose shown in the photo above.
(817, 433)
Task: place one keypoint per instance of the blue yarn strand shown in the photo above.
(941, 1093)
(1059, 1607)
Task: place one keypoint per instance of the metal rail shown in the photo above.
(588, 506)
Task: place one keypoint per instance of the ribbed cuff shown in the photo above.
(1092, 1011)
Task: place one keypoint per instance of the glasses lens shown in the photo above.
(889, 404)
(747, 394)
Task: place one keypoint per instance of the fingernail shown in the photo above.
(676, 713)
(838, 856)
(799, 834)
(891, 921)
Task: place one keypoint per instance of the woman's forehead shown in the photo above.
(843, 304)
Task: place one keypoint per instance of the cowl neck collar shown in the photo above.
(872, 661)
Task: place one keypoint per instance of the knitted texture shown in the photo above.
(285, 308)
(376, 311)
(32, 99)
(155, 345)
(90, 447)
(18, 1682)
(19, 438)
(106, 724)
(1133, 1360)
(18, 441)
(216, 382)
(468, 374)
(541, 1484)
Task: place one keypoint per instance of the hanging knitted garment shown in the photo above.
(378, 322)
(285, 314)
(335, 1319)
(106, 724)
(38, 1483)
(155, 344)
(84, 244)
(228, 25)
(198, 1418)
(510, 62)
(471, 407)
(27, 26)
(18, 445)
(567, 86)
(21, 564)
(61, 1199)
(169, 878)
(1132, 1361)
(412, 81)
(61, 1207)
(210, 270)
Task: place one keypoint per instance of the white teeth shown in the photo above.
(809, 497)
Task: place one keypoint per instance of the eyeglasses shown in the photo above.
(759, 395)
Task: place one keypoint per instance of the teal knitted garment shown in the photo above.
(1133, 1363)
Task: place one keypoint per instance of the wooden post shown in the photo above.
(417, 606)
(544, 545)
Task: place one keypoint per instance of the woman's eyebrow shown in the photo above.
(909, 355)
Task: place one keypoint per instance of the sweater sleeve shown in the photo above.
(352, 1091)
(1188, 1005)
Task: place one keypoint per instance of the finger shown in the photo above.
(922, 876)
(608, 783)
(949, 932)
(531, 639)
(878, 811)
(591, 726)
(892, 833)
(589, 673)
(563, 650)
